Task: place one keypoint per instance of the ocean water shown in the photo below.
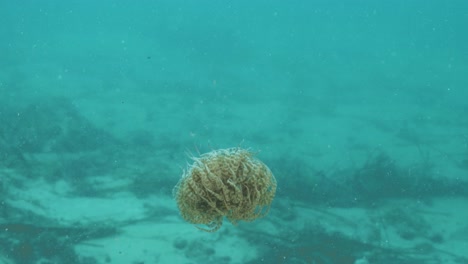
(359, 108)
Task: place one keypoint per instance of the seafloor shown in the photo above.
(94, 185)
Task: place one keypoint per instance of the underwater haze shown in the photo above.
(358, 108)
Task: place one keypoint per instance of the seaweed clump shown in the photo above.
(229, 183)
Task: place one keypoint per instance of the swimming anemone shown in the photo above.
(229, 183)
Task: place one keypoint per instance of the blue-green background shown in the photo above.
(316, 87)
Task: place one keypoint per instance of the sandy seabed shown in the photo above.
(99, 189)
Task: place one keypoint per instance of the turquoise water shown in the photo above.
(357, 107)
